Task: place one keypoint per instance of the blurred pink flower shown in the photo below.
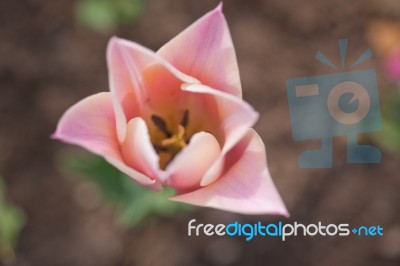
(392, 65)
(176, 118)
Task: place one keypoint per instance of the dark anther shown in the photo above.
(185, 118)
(160, 123)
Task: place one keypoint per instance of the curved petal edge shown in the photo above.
(246, 187)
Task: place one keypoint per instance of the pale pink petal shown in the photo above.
(163, 88)
(232, 114)
(189, 166)
(127, 64)
(91, 124)
(246, 187)
(205, 51)
(138, 151)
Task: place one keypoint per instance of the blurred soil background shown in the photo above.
(48, 61)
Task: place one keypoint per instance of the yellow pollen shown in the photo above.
(174, 140)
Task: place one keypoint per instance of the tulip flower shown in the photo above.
(392, 65)
(176, 118)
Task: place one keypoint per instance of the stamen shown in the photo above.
(161, 124)
(167, 142)
(175, 140)
(185, 118)
(181, 132)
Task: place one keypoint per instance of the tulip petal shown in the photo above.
(205, 51)
(137, 149)
(91, 124)
(127, 62)
(233, 115)
(246, 187)
(189, 166)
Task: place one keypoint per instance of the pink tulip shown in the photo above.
(392, 65)
(176, 118)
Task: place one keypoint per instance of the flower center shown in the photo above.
(172, 142)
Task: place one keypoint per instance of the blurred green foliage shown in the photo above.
(389, 137)
(105, 15)
(135, 203)
(12, 220)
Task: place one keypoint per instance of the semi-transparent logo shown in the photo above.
(338, 104)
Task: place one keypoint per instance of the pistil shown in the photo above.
(173, 142)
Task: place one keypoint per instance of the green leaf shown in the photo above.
(105, 15)
(96, 169)
(389, 137)
(100, 15)
(129, 10)
(135, 203)
(140, 204)
(12, 220)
